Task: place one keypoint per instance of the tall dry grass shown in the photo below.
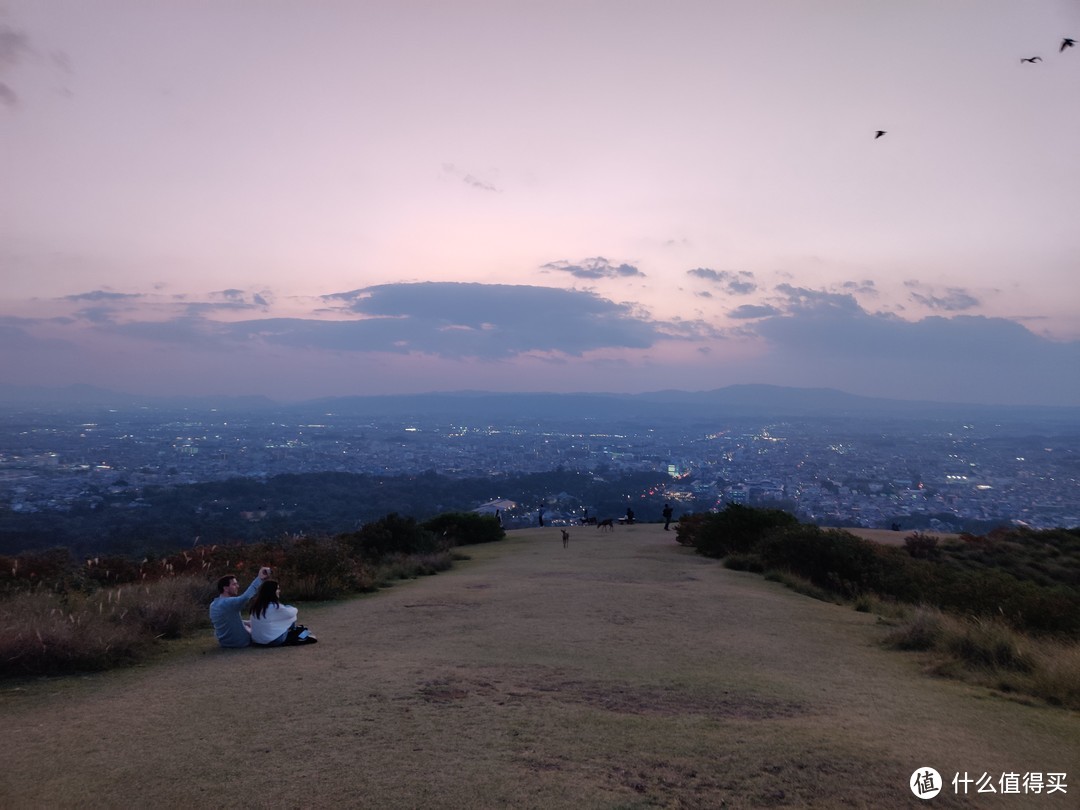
(990, 652)
(395, 567)
(44, 632)
(53, 632)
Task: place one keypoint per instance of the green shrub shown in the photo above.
(465, 528)
(688, 527)
(392, 534)
(736, 530)
(830, 558)
(316, 568)
(922, 546)
(850, 566)
(744, 562)
(52, 569)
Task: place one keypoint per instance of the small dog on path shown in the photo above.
(565, 538)
(606, 524)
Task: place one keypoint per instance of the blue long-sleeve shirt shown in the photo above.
(225, 614)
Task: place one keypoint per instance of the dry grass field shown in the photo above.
(891, 538)
(621, 672)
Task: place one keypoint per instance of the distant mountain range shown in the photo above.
(733, 400)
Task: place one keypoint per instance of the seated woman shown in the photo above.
(274, 624)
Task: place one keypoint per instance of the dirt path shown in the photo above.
(623, 671)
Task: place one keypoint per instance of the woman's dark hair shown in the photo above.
(266, 596)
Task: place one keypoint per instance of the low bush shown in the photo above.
(922, 546)
(946, 576)
(831, 559)
(317, 568)
(466, 528)
(744, 562)
(392, 534)
(1023, 604)
(735, 530)
(52, 569)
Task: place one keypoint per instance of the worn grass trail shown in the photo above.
(623, 671)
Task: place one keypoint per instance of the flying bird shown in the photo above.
(1067, 43)
(1032, 59)
(878, 134)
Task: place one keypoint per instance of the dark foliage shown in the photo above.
(392, 534)
(315, 567)
(830, 558)
(51, 569)
(252, 510)
(922, 546)
(1027, 578)
(1048, 557)
(465, 528)
(736, 530)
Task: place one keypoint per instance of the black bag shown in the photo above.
(298, 634)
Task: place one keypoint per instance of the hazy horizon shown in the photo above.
(612, 197)
(737, 400)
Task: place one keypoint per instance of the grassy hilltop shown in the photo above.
(624, 670)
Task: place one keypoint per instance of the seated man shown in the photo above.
(229, 627)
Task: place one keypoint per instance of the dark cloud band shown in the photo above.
(472, 320)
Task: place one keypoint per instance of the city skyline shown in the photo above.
(362, 198)
(925, 468)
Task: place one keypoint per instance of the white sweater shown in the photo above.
(276, 620)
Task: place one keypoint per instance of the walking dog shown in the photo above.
(609, 524)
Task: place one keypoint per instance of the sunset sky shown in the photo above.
(302, 199)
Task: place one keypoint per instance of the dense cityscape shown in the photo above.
(945, 474)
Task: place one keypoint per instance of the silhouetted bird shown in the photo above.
(1033, 59)
(1067, 43)
(878, 134)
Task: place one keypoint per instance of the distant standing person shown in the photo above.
(629, 516)
(229, 626)
(274, 624)
(540, 515)
(668, 512)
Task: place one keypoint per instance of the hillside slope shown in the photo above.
(622, 671)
